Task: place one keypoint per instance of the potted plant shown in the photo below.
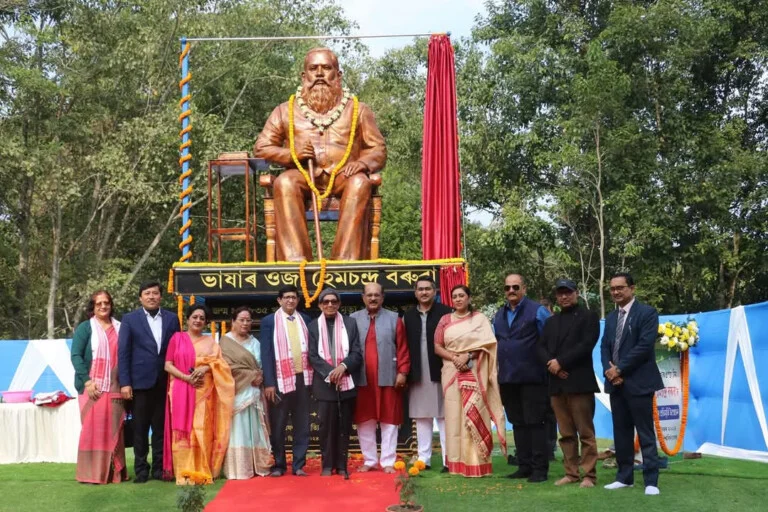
(405, 483)
(191, 496)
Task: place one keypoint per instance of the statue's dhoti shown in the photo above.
(353, 240)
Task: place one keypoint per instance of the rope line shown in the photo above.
(300, 38)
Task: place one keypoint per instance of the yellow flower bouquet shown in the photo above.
(678, 336)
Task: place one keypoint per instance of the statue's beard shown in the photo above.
(320, 97)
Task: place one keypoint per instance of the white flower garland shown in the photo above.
(322, 123)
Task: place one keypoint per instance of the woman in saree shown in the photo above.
(248, 454)
(198, 407)
(465, 341)
(101, 450)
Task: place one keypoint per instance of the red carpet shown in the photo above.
(363, 492)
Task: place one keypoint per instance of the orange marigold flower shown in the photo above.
(186, 474)
(399, 465)
(420, 464)
(414, 471)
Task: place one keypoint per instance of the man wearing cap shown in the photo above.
(334, 353)
(566, 346)
(523, 377)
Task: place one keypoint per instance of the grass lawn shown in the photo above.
(710, 483)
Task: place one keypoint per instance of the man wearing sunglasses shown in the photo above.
(334, 353)
(523, 377)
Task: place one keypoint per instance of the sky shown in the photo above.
(377, 17)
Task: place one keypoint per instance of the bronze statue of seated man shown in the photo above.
(339, 135)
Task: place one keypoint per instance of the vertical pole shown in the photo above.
(184, 153)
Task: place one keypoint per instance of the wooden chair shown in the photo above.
(329, 211)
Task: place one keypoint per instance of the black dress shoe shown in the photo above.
(537, 478)
(427, 467)
(512, 460)
(519, 474)
(445, 469)
(141, 479)
(343, 473)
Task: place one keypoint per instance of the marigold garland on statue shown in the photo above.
(303, 277)
(322, 123)
(342, 162)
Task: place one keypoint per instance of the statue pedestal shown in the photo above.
(225, 286)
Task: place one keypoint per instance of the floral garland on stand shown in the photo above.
(679, 337)
(342, 162)
(308, 300)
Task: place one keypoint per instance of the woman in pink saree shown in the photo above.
(198, 410)
(465, 341)
(101, 450)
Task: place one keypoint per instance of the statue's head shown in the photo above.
(321, 80)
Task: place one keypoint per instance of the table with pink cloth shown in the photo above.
(32, 433)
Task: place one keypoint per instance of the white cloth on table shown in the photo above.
(31, 433)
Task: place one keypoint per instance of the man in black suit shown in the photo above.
(142, 344)
(566, 346)
(334, 353)
(631, 379)
(285, 345)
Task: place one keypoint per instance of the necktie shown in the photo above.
(619, 331)
(295, 341)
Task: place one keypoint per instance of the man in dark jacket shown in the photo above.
(142, 344)
(566, 346)
(523, 377)
(287, 379)
(425, 393)
(334, 353)
(631, 379)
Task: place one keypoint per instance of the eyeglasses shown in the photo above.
(618, 288)
(508, 287)
(424, 289)
(330, 302)
(290, 297)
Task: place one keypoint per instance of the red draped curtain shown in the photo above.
(450, 276)
(440, 198)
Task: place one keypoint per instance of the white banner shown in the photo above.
(669, 401)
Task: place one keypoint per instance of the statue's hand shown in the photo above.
(306, 152)
(354, 168)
